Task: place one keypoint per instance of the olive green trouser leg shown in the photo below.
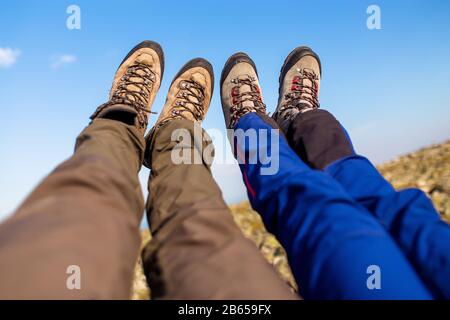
(197, 251)
(86, 213)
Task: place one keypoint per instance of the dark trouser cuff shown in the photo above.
(318, 138)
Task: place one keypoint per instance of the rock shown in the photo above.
(427, 169)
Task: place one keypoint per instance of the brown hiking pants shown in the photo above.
(83, 221)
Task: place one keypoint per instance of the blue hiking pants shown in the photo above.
(347, 233)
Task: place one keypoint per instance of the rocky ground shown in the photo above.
(427, 169)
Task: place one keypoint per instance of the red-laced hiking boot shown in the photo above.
(240, 90)
(135, 85)
(299, 86)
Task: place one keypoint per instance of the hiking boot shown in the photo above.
(189, 94)
(240, 90)
(188, 98)
(134, 88)
(299, 86)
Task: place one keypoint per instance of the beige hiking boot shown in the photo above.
(240, 90)
(189, 94)
(135, 85)
(299, 86)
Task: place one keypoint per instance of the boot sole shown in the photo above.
(197, 62)
(234, 60)
(152, 45)
(293, 58)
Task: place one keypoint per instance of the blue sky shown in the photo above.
(389, 87)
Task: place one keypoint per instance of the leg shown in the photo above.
(197, 251)
(408, 215)
(330, 240)
(85, 213)
(319, 140)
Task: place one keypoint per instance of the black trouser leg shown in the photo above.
(318, 138)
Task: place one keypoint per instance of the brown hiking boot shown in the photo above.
(299, 86)
(135, 85)
(240, 90)
(189, 94)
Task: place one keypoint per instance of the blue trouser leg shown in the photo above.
(318, 138)
(408, 215)
(331, 240)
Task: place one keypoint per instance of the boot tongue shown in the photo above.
(145, 59)
(139, 77)
(307, 89)
(244, 90)
(199, 78)
(192, 95)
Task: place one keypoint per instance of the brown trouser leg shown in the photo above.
(197, 251)
(85, 213)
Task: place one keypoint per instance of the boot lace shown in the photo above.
(302, 91)
(238, 97)
(191, 99)
(134, 89)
